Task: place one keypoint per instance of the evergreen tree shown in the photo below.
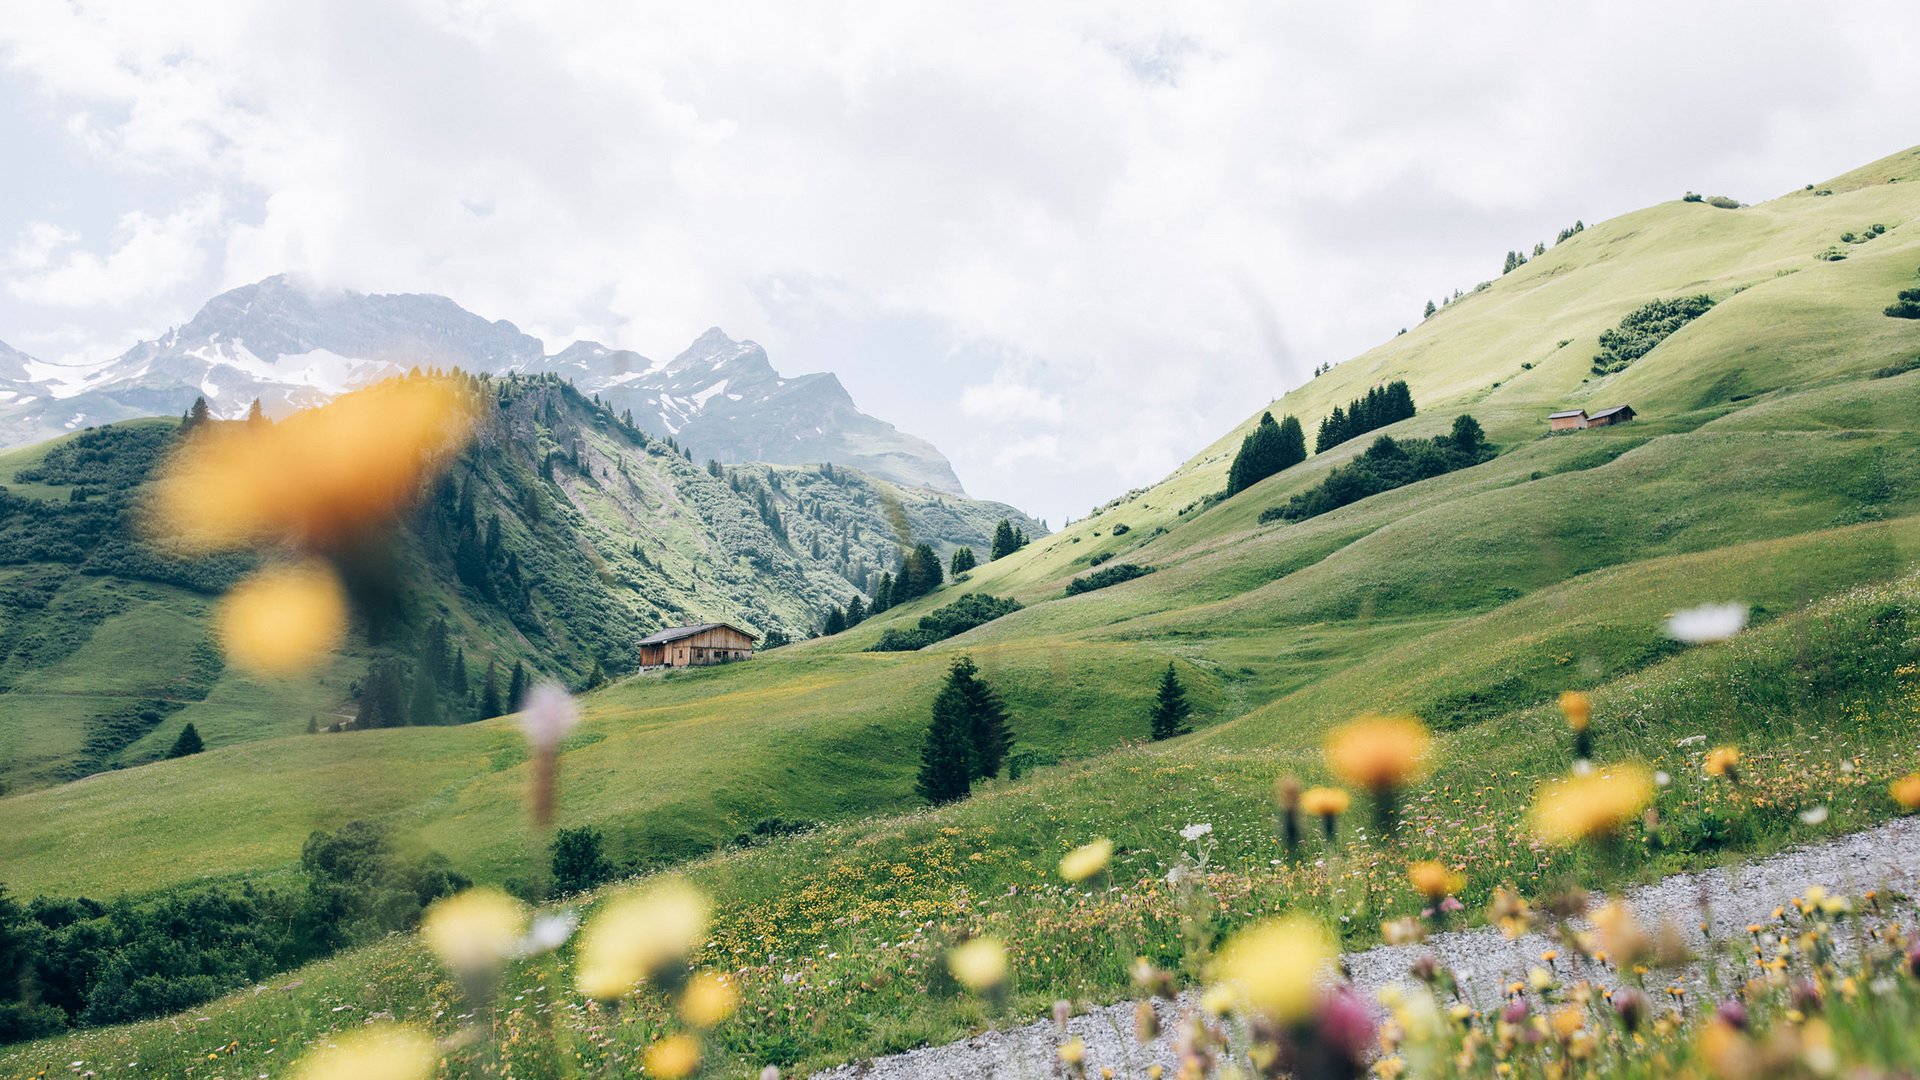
(490, 692)
(1269, 448)
(988, 739)
(882, 595)
(383, 696)
(1004, 541)
(596, 678)
(856, 611)
(1293, 442)
(198, 414)
(188, 743)
(517, 686)
(459, 681)
(579, 862)
(256, 416)
(1428, 314)
(1467, 437)
(946, 759)
(313, 725)
(834, 623)
(962, 561)
(1170, 708)
(918, 575)
(423, 709)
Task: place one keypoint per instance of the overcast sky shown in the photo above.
(1068, 243)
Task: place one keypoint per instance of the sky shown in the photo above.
(1070, 244)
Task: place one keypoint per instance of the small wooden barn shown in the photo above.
(1567, 420)
(696, 646)
(1619, 414)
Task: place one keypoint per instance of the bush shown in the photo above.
(1907, 306)
(971, 610)
(1386, 465)
(579, 861)
(1112, 575)
(1644, 329)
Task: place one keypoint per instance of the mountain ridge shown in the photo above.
(293, 347)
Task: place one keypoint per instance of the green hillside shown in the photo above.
(602, 536)
(1775, 461)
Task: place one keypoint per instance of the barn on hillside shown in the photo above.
(1619, 414)
(696, 646)
(1567, 420)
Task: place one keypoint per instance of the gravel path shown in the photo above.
(1484, 960)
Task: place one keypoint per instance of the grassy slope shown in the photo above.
(1473, 598)
(703, 549)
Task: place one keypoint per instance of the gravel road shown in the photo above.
(1484, 960)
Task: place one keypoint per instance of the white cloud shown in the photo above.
(1010, 402)
(1177, 210)
(151, 256)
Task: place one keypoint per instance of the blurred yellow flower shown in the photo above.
(283, 620)
(1434, 880)
(1723, 761)
(638, 933)
(317, 478)
(1325, 802)
(1073, 1051)
(708, 1000)
(1906, 791)
(474, 931)
(1578, 708)
(980, 965)
(1596, 804)
(673, 1057)
(375, 1052)
(1379, 753)
(1277, 967)
(1086, 860)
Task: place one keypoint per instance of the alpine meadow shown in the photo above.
(1535, 694)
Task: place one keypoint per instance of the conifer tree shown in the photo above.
(834, 623)
(188, 743)
(988, 739)
(256, 416)
(596, 678)
(945, 759)
(423, 709)
(198, 414)
(517, 686)
(1428, 314)
(1170, 708)
(962, 561)
(1004, 541)
(490, 692)
(856, 611)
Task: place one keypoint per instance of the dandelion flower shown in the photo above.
(1073, 1051)
(980, 965)
(284, 620)
(1086, 860)
(375, 1052)
(1723, 761)
(708, 1000)
(1707, 623)
(1906, 791)
(1597, 804)
(1379, 753)
(318, 479)
(474, 931)
(1578, 709)
(1434, 880)
(638, 934)
(673, 1057)
(1277, 968)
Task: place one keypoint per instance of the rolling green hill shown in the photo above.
(1776, 462)
(601, 535)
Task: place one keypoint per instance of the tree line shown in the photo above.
(1380, 406)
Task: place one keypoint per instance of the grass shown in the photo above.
(1473, 598)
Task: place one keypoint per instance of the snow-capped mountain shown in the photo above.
(290, 347)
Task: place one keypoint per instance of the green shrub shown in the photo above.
(1644, 328)
(971, 610)
(1386, 465)
(1112, 575)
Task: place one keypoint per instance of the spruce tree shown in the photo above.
(834, 623)
(945, 759)
(988, 739)
(1170, 708)
(256, 416)
(199, 414)
(596, 678)
(1428, 314)
(1004, 543)
(1293, 443)
(856, 611)
(423, 709)
(962, 561)
(188, 743)
(517, 686)
(490, 692)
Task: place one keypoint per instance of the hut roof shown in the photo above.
(675, 633)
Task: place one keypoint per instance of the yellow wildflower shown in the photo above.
(636, 934)
(980, 965)
(673, 1057)
(1434, 880)
(375, 1052)
(1379, 753)
(1597, 804)
(708, 1000)
(1086, 860)
(283, 620)
(1277, 967)
(1906, 791)
(474, 931)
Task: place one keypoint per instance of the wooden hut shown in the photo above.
(696, 646)
(1619, 414)
(1567, 420)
